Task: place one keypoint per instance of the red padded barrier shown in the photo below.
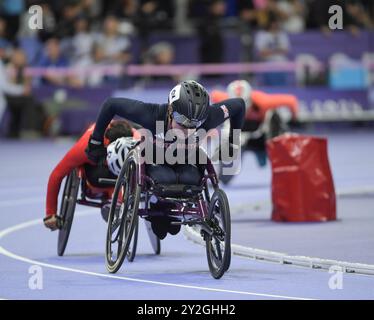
(302, 183)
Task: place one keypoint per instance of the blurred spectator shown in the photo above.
(93, 74)
(273, 45)
(26, 115)
(116, 47)
(71, 11)
(155, 15)
(6, 88)
(127, 12)
(266, 10)
(259, 13)
(161, 53)
(357, 15)
(4, 42)
(53, 57)
(90, 8)
(247, 13)
(82, 41)
(11, 11)
(292, 14)
(210, 33)
(125, 9)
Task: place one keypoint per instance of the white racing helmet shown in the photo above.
(117, 152)
(240, 89)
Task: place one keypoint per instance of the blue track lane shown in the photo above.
(180, 272)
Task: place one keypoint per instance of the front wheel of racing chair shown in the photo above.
(67, 208)
(123, 215)
(218, 245)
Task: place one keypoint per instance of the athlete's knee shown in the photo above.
(188, 174)
(161, 174)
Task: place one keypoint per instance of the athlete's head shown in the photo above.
(240, 89)
(118, 129)
(188, 105)
(117, 152)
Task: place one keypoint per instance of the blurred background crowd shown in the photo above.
(86, 34)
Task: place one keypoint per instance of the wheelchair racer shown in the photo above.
(258, 104)
(188, 109)
(76, 158)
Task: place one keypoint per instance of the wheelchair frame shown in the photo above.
(93, 197)
(190, 205)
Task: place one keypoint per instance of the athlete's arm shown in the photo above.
(233, 109)
(74, 158)
(144, 114)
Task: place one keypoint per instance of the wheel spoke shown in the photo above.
(218, 249)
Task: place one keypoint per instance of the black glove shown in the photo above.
(95, 150)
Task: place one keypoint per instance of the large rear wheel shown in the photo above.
(67, 209)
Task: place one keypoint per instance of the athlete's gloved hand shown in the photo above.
(52, 222)
(95, 150)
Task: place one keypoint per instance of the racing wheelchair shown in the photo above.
(93, 197)
(190, 205)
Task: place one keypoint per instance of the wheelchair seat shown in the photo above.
(176, 190)
(182, 174)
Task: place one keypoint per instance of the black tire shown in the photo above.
(67, 209)
(155, 241)
(276, 126)
(131, 253)
(123, 215)
(218, 246)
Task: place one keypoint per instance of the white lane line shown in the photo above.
(17, 202)
(17, 190)
(31, 223)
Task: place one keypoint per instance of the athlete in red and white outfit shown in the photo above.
(76, 158)
(266, 116)
(257, 102)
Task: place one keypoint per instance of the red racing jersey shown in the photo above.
(74, 158)
(262, 102)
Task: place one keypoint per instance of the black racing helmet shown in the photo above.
(190, 102)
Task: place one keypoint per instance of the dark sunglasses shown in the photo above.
(183, 121)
